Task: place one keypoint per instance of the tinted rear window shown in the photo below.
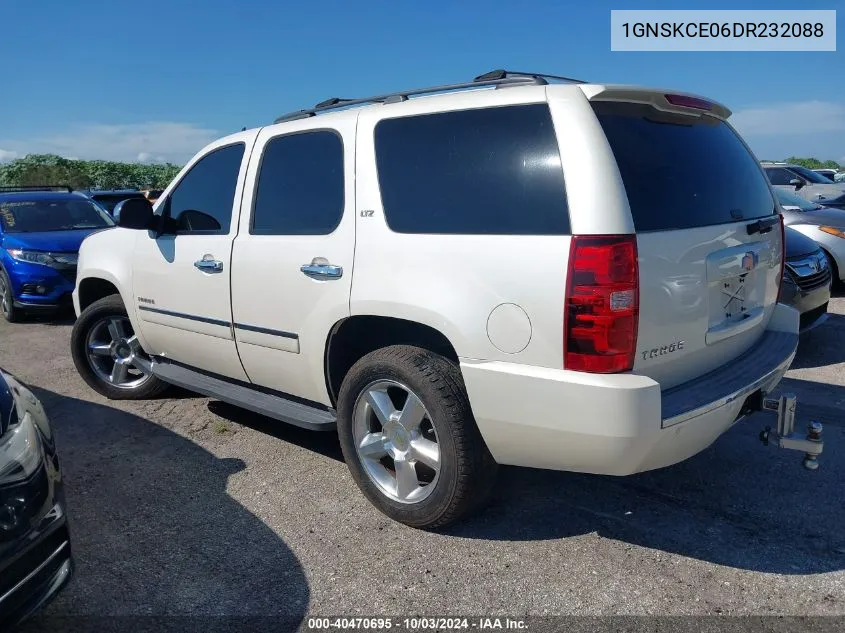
(485, 171)
(683, 172)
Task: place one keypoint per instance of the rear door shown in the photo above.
(292, 260)
(708, 237)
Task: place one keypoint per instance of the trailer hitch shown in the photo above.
(785, 436)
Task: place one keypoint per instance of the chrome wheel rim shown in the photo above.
(396, 441)
(4, 297)
(115, 355)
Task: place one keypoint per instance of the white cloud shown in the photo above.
(146, 157)
(7, 155)
(802, 117)
(157, 141)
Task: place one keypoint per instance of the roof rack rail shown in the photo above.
(23, 188)
(503, 74)
(336, 103)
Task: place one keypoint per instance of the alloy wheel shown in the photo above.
(115, 355)
(396, 441)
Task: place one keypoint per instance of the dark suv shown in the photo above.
(108, 199)
(35, 553)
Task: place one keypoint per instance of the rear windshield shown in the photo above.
(36, 216)
(683, 172)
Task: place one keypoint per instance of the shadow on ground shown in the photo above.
(322, 442)
(738, 503)
(154, 531)
(820, 347)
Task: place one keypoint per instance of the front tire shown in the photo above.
(410, 440)
(107, 353)
(7, 300)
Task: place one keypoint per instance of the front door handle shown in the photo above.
(209, 264)
(321, 269)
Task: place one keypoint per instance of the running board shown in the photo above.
(273, 406)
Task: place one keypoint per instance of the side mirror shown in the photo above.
(134, 213)
(797, 183)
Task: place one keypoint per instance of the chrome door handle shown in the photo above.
(209, 264)
(321, 269)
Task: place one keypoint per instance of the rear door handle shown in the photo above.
(321, 269)
(209, 264)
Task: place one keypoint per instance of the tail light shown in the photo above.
(601, 312)
(782, 257)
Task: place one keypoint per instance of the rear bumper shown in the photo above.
(620, 424)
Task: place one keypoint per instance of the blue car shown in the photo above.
(41, 231)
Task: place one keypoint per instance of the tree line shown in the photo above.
(812, 163)
(50, 169)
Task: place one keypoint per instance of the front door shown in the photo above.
(181, 282)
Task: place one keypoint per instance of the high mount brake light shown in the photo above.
(689, 102)
(601, 311)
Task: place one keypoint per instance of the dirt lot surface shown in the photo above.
(184, 505)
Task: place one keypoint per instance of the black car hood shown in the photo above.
(798, 244)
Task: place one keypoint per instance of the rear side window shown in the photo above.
(300, 185)
(486, 171)
(682, 172)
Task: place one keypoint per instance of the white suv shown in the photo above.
(517, 270)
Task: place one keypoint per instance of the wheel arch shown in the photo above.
(91, 289)
(352, 338)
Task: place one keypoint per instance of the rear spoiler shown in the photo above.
(668, 100)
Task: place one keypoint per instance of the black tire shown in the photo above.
(93, 314)
(467, 470)
(7, 300)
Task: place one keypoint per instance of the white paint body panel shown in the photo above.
(191, 319)
(270, 291)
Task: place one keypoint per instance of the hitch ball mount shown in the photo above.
(785, 436)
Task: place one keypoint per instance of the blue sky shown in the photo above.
(156, 80)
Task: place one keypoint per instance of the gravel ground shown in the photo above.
(185, 505)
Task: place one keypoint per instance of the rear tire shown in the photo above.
(7, 300)
(410, 440)
(104, 349)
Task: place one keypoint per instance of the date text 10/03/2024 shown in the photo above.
(416, 624)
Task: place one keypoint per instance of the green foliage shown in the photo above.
(49, 169)
(813, 163)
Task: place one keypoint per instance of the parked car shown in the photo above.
(825, 225)
(108, 199)
(806, 183)
(417, 274)
(36, 562)
(840, 177)
(807, 279)
(152, 194)
(830, 174)
(40, 234)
